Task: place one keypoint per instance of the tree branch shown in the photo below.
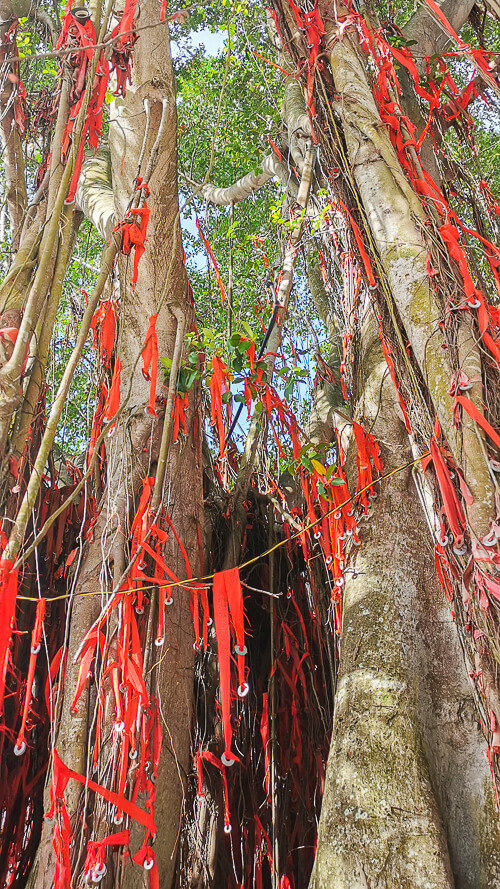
(94, 194)
(430, 35)
(243, 187)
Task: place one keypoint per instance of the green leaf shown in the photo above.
(329, 472)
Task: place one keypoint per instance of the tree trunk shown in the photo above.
(408, 797)
(132, 454)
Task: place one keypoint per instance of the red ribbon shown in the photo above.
(134, 235)
(8, 593)
(209, 250)
(112, 403)
(451, 503)
(150, 361)
(103, 326)
(228, 599)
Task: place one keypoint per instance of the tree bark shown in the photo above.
(408, 798)
(132, 453)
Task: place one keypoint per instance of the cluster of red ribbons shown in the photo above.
(134, 229)
(95, 867)
(120, 667)
(367, 448)
(78, 33)
(312, 25)
(9, 50)
(124, 38)
(219, 385)
(228, 612)
(8, 587)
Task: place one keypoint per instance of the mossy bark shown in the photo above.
(397, 222)
(408, 798)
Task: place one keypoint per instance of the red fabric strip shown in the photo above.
(209, 250)
(61, 776)
(222, 629)
(478, 417)
(8, 593)
(150, 362)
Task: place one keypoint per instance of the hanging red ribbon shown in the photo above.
(228, 599)
(209, 250)
(8, 593)
(218, 385)
(150, 362)
(36, 636)
(112, 403)
(103, 326)
(451, 503)
(134, 228)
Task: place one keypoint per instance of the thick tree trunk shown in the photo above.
(408, 797)
(397, 222)
(132, 454)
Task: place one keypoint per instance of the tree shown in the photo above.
(389, 251)
(136, 490)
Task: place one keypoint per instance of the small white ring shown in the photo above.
(35, 649)
(209, 621)
(243, 689)
(337, 515)
(20, 748)
(227, 762)
(241, 651)
(317, 535)
(133, 754)
(227, 828)
(119, 726)
(461, 551)
(159, 641)
(148, 863)
(100, 870)
(169, 601)
(139, 610)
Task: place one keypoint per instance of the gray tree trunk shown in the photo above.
(408, 800)
(132, 454)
